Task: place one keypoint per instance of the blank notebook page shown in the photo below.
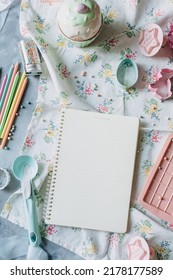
(94, 173)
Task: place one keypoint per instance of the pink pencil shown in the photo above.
(3, 85)
(9, 89)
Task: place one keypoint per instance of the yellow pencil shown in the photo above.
(13, 103)
(13, 114)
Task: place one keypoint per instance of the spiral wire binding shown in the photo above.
(50, 189)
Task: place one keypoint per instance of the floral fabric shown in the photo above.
(86, 79)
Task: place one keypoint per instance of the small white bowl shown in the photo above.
(4, 178)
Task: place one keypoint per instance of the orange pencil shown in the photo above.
(8, 91)
(12, 117)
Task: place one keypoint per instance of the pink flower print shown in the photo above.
(113, 241)
(155, 138)
(64, 72)
(29, 142)
(112, 42)
(158, 13)
(130, 55)
(88, 89)
(51, 230)
(24, 31)
(40, 88)
(103, 108)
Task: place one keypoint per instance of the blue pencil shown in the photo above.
(6, 86)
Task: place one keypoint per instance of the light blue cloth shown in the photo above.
(3, 17)
(16, 247)
(12, 248)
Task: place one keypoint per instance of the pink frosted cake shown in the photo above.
(80, 21)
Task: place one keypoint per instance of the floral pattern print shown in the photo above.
(41, 157)
(42, 88)
(144, 228)
(152, 108)
(107, 74)
(154, 14)
(152, 75)
(109, 43)
(50, 132)
(84, 89)
(170, 124)
(163, 250)
(146, 167)
(86, 58)
(63, 43)
(42, 43)
(51, 229)
(89, 248)
(131, 30)
(29, 142)
(128, 53)
(115, 239)
(63, 84)
(129, 93)
(106, 106)
(41, 26)
(38, 199)
(62, 71)
(150, 138)
(24, 5)
(42, 228)
(133, 3)
(109, 15)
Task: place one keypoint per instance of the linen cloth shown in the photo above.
(86, 79)
(4, 4)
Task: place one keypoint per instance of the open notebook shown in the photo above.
(93, 172)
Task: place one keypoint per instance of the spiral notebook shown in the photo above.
(93, 171)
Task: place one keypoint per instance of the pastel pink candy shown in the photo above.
(82, 8)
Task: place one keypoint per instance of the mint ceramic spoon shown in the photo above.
(25, 169)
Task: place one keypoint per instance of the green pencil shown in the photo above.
(10, 99)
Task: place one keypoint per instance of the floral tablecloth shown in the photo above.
(86, 79)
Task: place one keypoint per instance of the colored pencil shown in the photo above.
(11, 120)
(10, 99)
(6, 86)
(8, 91)
(13, 103)
(3, 85)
